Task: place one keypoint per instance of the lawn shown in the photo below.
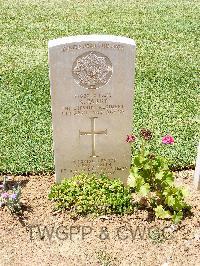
(167, 96)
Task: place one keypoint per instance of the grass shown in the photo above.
(167, 95)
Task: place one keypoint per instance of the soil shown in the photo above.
(137, 239)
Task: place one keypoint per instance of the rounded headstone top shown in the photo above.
(91, 38)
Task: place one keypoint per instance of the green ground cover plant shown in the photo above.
(90, 194)
(166, 91)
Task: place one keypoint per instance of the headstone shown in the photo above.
(197, 170)
(91, 80)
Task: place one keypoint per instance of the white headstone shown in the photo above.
(91, 81)
(197, 170)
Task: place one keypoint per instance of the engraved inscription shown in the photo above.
(68, 48)
(92, 70)
(95, 165)
(93, 98)
(89, 110)
(93, 104)
(93, 134)
(108, 166)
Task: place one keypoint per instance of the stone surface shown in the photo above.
(197, 170)
(91, 81)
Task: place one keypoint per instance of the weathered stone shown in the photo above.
(91, 81)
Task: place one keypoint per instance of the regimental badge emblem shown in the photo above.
(92, 70)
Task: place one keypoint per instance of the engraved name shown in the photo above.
(94, 98)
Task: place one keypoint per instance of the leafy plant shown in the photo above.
(10, 197)
(84, 194)
(152, 179)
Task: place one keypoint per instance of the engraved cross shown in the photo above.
(93, 134)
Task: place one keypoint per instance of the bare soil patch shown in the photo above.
(138, 239)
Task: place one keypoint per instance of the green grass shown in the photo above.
(167, 96)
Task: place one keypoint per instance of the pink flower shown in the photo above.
(5, 195)
(168, 139)
(130, 138)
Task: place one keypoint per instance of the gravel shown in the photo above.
(137, 239)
